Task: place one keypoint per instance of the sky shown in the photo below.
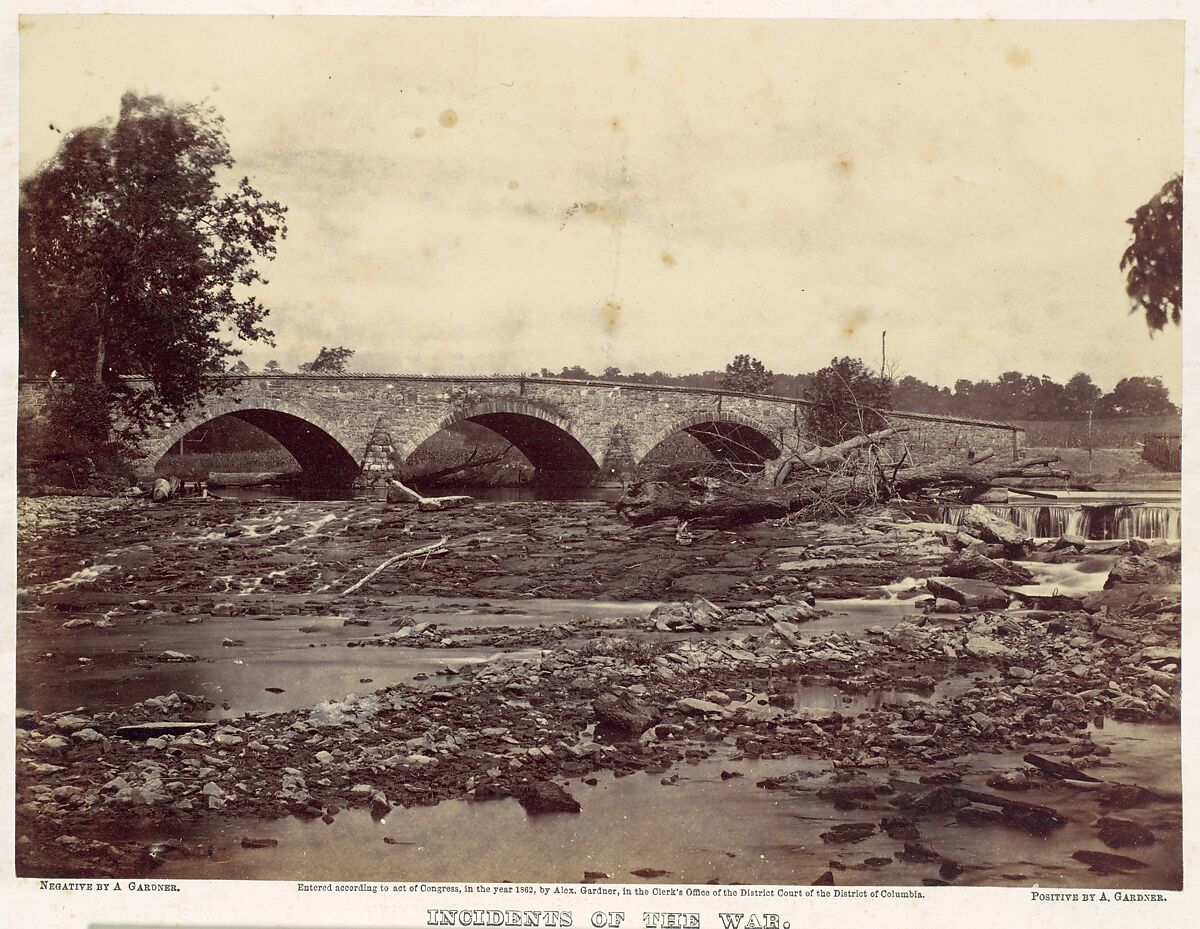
(496, 196)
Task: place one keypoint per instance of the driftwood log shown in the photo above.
(708, 501)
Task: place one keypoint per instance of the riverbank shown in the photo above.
(792, 674)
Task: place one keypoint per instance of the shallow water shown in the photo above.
(703, 828)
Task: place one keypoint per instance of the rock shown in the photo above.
(649, 872)
(701, 707)
(897, 827)
(975, 566)
(1120, 833)
(379, 805)
(1034, 820)
(935, 800)
(87, 735)
(1010, 780)
(622, 714)
(139, 732)
(545, 797)
(68, 723)
(825, 880)
(978, 595)
(248, 842)
(232, 643)
(1117, 633)
(978, 816)
(981, 522)
(1104, 863)
(1141, 569)
(851, 796)
(161, 490)
(324, 757)
(170, 656)
(982, 646)
(848, 832)
(1124, 797)
(917, 852)
(1057, 770)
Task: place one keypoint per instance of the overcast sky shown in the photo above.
(479, 196)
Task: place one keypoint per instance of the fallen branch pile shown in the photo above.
(706, 501)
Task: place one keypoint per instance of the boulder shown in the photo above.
(848, 832)
(983, 646)
(979, 521)
(700, 707)
(1120, 833)
(621, 714)
(978, 567)
(545, 797)
(161, 490)
(978, 595)
(1142, 569)
(1105, 863)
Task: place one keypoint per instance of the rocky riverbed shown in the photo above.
(914, 706)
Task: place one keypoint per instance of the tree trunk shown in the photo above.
(824, 454)
(711, 502)
(100, 352)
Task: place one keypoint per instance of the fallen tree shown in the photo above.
(706, 501)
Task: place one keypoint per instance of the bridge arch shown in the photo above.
(728, 436)
(547, 439)
(318, 445)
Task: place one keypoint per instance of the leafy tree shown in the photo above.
(748, 375)
(844, 399)
(135, 260)
(1137, 396)
(1153, 262)
(329, 361)
(611, 372)
(240, 369)
(1081, 396)
(575, 373)
(272, 367)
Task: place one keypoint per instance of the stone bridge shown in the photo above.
(343, 429)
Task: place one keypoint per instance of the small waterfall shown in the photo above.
(1088, 521)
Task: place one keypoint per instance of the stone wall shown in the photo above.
(617, 424)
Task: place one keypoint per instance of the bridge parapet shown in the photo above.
(369, 422)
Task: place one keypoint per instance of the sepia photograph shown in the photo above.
(599, 451)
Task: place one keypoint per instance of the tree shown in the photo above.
(329, 361)
(844, 399)
(272, 367)
(747, 375)
(134, 260)
(1081, 396)
(1153, 262)
(241, 369)
(1137, 396)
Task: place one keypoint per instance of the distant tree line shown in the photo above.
(1011, 396)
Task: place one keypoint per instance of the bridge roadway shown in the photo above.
(343, 429)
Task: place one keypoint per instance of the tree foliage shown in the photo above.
(845, 398)
(1153, 262)
(135, 259)
(329, 361)
(1137, 396)
(748, 375)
